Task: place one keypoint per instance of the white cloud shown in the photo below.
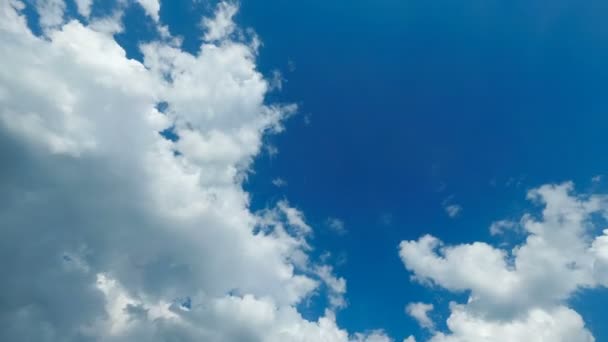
(519, 294)
(84, 7)
(420, 312)
(221, 25)
(108, 233)
(558, 325)
(51, 13)
(336, 225)
(499, 227)
(152, 7)
(373, 336)
(337, 286)
(294, 217)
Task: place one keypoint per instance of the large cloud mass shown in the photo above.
(112, 232)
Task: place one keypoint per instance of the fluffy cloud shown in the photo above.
(112, 232)
(420, 312)
(50, 12)
(557, 324)
(152, 7)
(519, 294)
(84, 7)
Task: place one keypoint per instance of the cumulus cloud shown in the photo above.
(521, 294)
(112, 232)
(420, 312)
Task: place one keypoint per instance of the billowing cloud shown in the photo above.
(520, 294)
(110, 231)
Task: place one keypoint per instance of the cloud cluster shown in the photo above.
(521, 294)
(112, 232)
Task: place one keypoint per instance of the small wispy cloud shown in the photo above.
(307, 120)
(453, 210)
(386, 219)
(279, 182)
(276, 81)
(336, 225)
(499, 227)
(272, 151)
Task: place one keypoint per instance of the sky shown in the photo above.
(334, 171)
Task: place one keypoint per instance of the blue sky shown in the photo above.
(413, 118)
(414, 102)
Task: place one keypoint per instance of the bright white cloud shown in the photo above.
(113, 233)
(420, 312)
(558, 325)
(519, 294)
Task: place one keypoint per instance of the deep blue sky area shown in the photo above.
(412, 103)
